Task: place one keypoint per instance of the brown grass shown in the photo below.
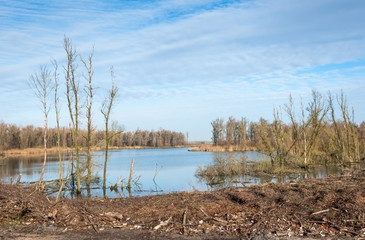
(211, 148)
(32, 151)
(54, 150)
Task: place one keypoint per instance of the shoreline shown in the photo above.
(191, 148)
(211, 148)
(54, 150)
(330, 207)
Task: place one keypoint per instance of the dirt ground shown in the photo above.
(332, 207)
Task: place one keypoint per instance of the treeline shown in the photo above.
(323, 130)
(15, 137)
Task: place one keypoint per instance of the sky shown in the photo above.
(181, 64)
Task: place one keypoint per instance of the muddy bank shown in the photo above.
(312, 208)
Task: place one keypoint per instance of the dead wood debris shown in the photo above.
(327, 207)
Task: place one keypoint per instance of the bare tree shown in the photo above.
(217, 131)
(73, 97)
(41, 83)
(265, 145)
(89, 102)
(278, 133)
(106, 110)
(241, 134)
(350, 142)
(317, 111)
(339, 146)
(304, 131)
(229, 130)
(57, 111)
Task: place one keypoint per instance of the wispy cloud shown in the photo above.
(209, 57)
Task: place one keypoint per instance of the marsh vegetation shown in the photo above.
(322, 131)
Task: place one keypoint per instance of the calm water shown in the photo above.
(176, 170)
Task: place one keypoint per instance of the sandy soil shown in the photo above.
(331, 207)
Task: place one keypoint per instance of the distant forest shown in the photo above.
(14, 137)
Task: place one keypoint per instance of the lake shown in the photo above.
(174, 169)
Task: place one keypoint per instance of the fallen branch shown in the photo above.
(59, 192)
(92, 224)
(219, 220)
(162, 224)
(115, 215)
(324, 211)
(204, 212)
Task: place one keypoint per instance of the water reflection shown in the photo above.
(232, 169)
(158, 171)
(29, 167)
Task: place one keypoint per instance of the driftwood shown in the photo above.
(162, 224)
(115, 215)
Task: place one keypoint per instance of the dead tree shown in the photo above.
(217, 131)
(73, 97)
(57, 111)
(41, 83)
(317, 111)
(89, 102)
(106, 109)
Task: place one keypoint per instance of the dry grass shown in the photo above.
(211, 148)
(32, 151)
(40, 151)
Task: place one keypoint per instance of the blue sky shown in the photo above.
(181, 64)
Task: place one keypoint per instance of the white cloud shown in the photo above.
(212, 56)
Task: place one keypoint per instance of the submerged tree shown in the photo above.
(57, 111)
(89, 102)
(345, 140)
(73, 100)
(317, 109)
(106, 109)
(41, 82)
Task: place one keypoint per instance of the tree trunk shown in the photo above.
(45, 148)
(106, 151)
